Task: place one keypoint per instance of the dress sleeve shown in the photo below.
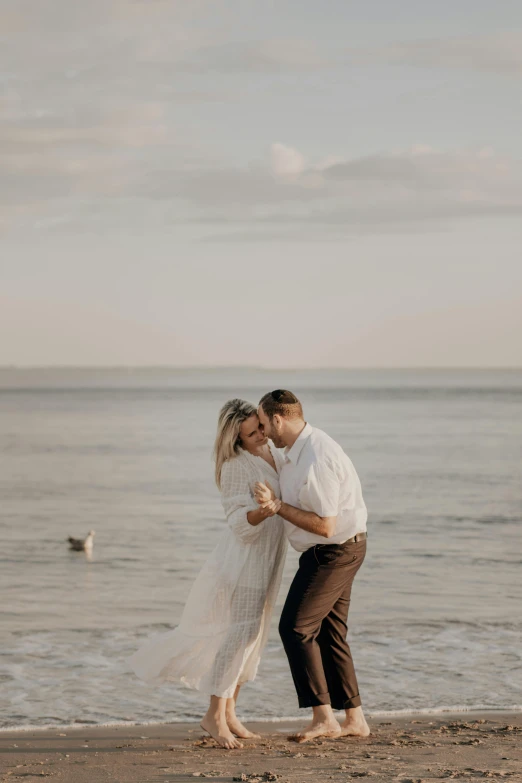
(237, 500)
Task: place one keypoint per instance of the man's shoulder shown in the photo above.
(323, 445)
(320, 437)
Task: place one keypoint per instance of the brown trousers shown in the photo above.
(313, 625)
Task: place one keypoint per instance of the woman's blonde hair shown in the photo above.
(227, 445)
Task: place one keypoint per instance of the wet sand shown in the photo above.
(467, 746)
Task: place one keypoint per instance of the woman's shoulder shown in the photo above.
(235, 475)
(235, 464)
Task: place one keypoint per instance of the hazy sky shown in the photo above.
(285, 183)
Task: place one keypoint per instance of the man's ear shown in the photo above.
(277, 420)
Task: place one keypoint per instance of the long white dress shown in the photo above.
(224, 626)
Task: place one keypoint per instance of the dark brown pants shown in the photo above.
(313, 625)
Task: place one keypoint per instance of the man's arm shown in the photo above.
(306, 520)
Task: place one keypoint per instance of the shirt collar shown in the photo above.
(292, 453)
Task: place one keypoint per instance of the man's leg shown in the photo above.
(316, 588)
(337, 658)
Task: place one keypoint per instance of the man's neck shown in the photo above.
(291, 437)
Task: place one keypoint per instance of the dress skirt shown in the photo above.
(225, 623)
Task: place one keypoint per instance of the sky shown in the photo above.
(298, 183)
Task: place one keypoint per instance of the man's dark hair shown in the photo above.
(283, 403)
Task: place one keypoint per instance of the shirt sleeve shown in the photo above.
(237, 500)
(320, 492)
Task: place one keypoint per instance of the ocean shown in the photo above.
(435, 621)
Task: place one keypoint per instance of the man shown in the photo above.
(325, 518)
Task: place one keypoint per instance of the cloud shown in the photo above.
(286, 161)
(229, 191)
(42, 160)
(269, 55)
(423, 168)
(62, 58)
(412, 189)
(378, 168)
(138, 124)
(499, 53)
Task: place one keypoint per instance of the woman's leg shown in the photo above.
(234, 724)
(246, 603)
(215, 724)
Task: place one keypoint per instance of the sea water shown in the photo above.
(435, 621)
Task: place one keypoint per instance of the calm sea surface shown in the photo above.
(436, 611)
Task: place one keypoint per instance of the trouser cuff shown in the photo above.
(314, 700)
(355, 701)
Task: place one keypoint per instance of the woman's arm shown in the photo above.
(268, 509)
(244, 516)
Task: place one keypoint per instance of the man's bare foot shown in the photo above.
(237, 728)
(218, 730)
(355, 724)
(318, 728)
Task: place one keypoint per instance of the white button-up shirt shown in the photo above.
(318, 476)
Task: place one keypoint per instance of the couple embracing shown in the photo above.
(310, 495)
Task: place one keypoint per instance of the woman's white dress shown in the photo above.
(224, 626)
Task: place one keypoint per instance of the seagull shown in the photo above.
(82, 545)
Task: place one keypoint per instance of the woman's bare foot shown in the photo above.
(219, 730)
(319, 727)
(237, 728)
(355, 724)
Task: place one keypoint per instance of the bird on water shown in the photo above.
(82, 544)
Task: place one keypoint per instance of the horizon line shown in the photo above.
(264, 368)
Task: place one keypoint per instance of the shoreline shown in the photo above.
(378, 715)
(426, 748)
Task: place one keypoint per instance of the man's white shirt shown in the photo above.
(318, 476)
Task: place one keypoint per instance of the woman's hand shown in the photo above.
(263, 493)
(268, 509)
(272, 507)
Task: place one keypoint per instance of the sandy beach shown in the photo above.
(466, 746)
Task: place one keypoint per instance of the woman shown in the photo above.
(224, 626)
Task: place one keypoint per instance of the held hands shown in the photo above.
(265, 497)
(271, 508)
(263, 493)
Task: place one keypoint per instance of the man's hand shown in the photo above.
(263, 493)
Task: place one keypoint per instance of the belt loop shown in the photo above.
(315, 555)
